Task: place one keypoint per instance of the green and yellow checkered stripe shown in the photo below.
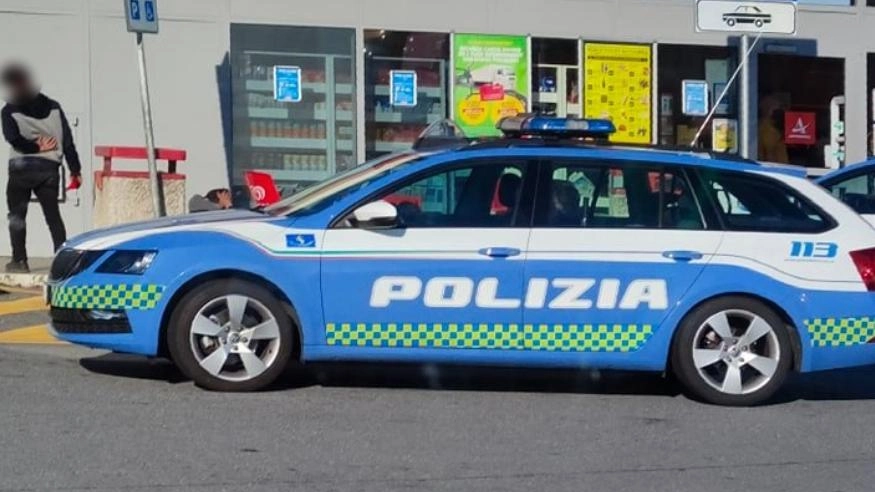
(118, 296)
(840, 332)
(551, 337)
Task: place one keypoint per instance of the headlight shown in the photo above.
(128, 262)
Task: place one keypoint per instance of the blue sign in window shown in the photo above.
(695, 97)
(402, 88)
(287, 84)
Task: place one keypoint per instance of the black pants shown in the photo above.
(44, 184)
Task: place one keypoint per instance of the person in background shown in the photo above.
(770, 135)
(216, 199)
(39, 135)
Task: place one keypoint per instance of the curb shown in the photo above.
(23, 280)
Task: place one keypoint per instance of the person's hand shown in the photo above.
(46, 143)
(75, 182)
(224, 198)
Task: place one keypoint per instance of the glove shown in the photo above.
(75, 183)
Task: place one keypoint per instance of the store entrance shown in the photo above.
(795, 113)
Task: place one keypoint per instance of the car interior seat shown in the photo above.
(565, 209)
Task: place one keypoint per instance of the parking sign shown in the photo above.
(773, 17)
(142, 15)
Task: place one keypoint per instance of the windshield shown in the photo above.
(325, 193)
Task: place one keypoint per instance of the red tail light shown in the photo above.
(864, 260)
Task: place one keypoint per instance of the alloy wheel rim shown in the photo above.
(235, 337)
(736, 352)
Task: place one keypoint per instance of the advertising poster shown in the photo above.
(402, 88)
(491, 81)
(695, 97)
(724, 135)
(287, 84)
(617, 86)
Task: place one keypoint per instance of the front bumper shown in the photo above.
(117, 312)
(84, 321)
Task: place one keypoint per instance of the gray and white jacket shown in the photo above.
(24, 123)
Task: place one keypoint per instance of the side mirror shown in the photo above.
(375, 215)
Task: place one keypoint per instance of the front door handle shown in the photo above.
(682, 255)
(499, 252)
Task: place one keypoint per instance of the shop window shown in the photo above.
(556, 77)
(713, 65)
(794, 117)
(298, 142)
(393, 123)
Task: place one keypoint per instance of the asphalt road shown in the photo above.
(74, 419)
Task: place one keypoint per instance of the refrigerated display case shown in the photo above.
(391, 128)
(296, 142)
(556, 91)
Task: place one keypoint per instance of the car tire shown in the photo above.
(230, 335)
(732, 351)
(730, 22)
(758, 23)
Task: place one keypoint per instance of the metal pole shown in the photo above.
(744, 110)
(157, 205)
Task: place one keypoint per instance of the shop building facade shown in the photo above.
(211, 70)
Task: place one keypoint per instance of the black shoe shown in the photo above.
(17, 267)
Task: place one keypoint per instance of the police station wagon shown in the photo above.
(539, 249)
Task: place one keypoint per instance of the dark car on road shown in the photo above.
(747, 14)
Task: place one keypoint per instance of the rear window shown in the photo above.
(755, 203)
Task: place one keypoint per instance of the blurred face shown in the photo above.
(18, 85)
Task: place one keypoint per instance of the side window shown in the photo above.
(483, 195)
(593, 195)
(753, 203)
(858, 192)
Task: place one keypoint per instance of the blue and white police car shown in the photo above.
(854, 185)
(542, 248)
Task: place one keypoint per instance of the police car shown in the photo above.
(543, 248)
(854, 185)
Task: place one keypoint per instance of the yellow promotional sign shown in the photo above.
(724, 135)
(617, 86)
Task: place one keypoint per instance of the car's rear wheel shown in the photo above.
(230, 335)
(732, 351)
(730, 22)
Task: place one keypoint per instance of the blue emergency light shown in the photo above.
(546, 126)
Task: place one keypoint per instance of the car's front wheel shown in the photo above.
(732, 351)
(230, 335)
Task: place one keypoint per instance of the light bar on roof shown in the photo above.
(541, 126)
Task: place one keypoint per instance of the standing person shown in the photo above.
(771, 132)
(40, 138)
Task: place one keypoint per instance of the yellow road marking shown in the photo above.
(20, 290)
(28, 304)
(37, 334)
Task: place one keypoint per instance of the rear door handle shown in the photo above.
(681, 255)
(499, 252)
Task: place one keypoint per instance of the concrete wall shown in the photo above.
(86, 60)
